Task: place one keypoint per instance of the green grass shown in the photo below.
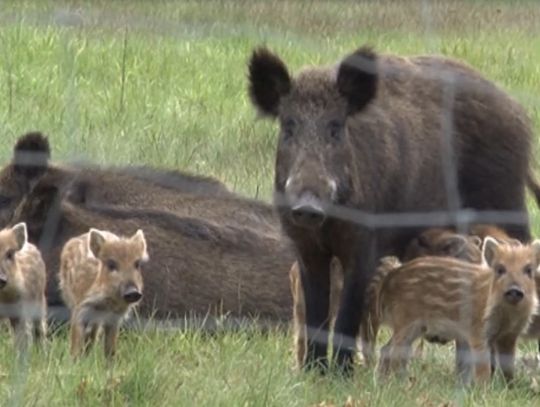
(164, 83)
(246, 368)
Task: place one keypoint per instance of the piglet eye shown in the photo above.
(335, 129)
(111, 265)
(499, 269)
(10, 255)
(137, 264)
(528, 270)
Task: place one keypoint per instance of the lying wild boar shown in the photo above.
(137, 187)
(197, 267)
(39, 183)
(368, 136)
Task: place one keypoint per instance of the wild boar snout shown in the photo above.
(131, 294)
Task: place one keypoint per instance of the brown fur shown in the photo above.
(367, 135)
(370, 322)
(429, 239)
(22, 295)
(185, 195)
(101, 281)
(431, 242)
(483, 231)
(444, 242)
(131, 186)
(197, 267)
(467, 302)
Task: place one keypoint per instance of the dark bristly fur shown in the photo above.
(196, 266)
(203, 199)
(262, 67)
(357, 78)
(369, 136)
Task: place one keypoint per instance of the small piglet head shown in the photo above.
(515, 268)
(121, 262)
(12, 240)
(447, 243)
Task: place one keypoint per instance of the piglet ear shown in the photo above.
(357, 78)
(269, 81)
(95, 242)
(21, 235)
(489, 248)
(455, 245)
(535, 245)
(139, 239)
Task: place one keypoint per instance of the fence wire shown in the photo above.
(455, 215)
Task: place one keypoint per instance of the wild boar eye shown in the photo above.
(288, 127)
(5, 201)
(499, 269)
(528, 270)
(335, 129)
(111, 265)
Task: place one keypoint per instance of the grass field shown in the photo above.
(164, 83)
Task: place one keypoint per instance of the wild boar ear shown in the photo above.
(269, 81)
(535, 245)
(455, 245)
(488, 250)
(31, 156)
(95, 242)
(21, 235)
(139, 239)
(357, 78)
(513, 242)
(423, 241)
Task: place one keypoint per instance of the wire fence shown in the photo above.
(199, 230)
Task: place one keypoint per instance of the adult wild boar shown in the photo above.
(138, 187)
(196, 266)
(369, 134)
(30, 174)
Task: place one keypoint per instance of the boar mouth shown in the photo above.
(308, 212)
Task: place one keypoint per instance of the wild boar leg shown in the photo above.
(401, 349)
(481, 360)
(506, 351)
(357, 277)
(463, 363)
(315, 277)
